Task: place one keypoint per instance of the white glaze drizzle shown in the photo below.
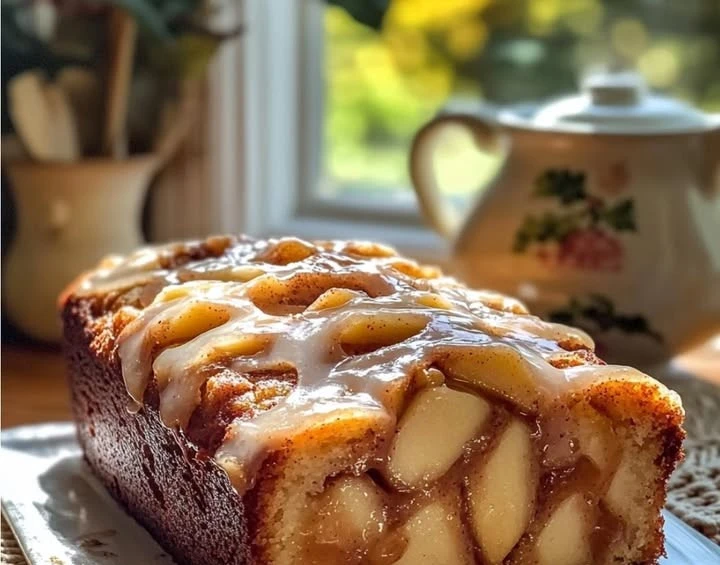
(331, 384)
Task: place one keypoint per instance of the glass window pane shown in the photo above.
(383, 84)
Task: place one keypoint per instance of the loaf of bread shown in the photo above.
(287, 402)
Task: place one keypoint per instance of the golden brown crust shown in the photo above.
(186, 502)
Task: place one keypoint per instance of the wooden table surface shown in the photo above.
(34, 388)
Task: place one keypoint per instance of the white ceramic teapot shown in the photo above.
(605, 215)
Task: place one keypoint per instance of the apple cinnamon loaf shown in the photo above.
(286, 402)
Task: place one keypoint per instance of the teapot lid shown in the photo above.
(617, 103)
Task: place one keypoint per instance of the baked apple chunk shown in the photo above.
(364, 409)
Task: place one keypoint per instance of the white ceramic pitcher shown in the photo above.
(70, 215)
(605, 214)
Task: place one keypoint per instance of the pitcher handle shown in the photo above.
(437, 211)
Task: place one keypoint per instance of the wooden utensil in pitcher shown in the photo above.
(43, 117)
(122, 36)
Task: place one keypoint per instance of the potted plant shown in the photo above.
(98, 97)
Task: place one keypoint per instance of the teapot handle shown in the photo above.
(437, 211)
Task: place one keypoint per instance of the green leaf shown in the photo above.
(562, 317)
(565, 225)
(529, 232)
(637, 325)
(600, 312)
(553, 227)
(367, 12)
(147, 16)
(157, 16)
(603, 303)
(565, 185)
(186, 57)
(523, 236)
(195, 52)
(621, 217)
(548, 227)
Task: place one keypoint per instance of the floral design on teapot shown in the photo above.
(597, 314)
(583, 233)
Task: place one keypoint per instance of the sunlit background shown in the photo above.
(384, 82)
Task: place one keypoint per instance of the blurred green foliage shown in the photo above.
(367, 12)
(160, 17)
(384, 81)
(174, 43)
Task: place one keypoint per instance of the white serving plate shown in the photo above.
(62, 515)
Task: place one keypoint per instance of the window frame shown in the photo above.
(265, 90)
